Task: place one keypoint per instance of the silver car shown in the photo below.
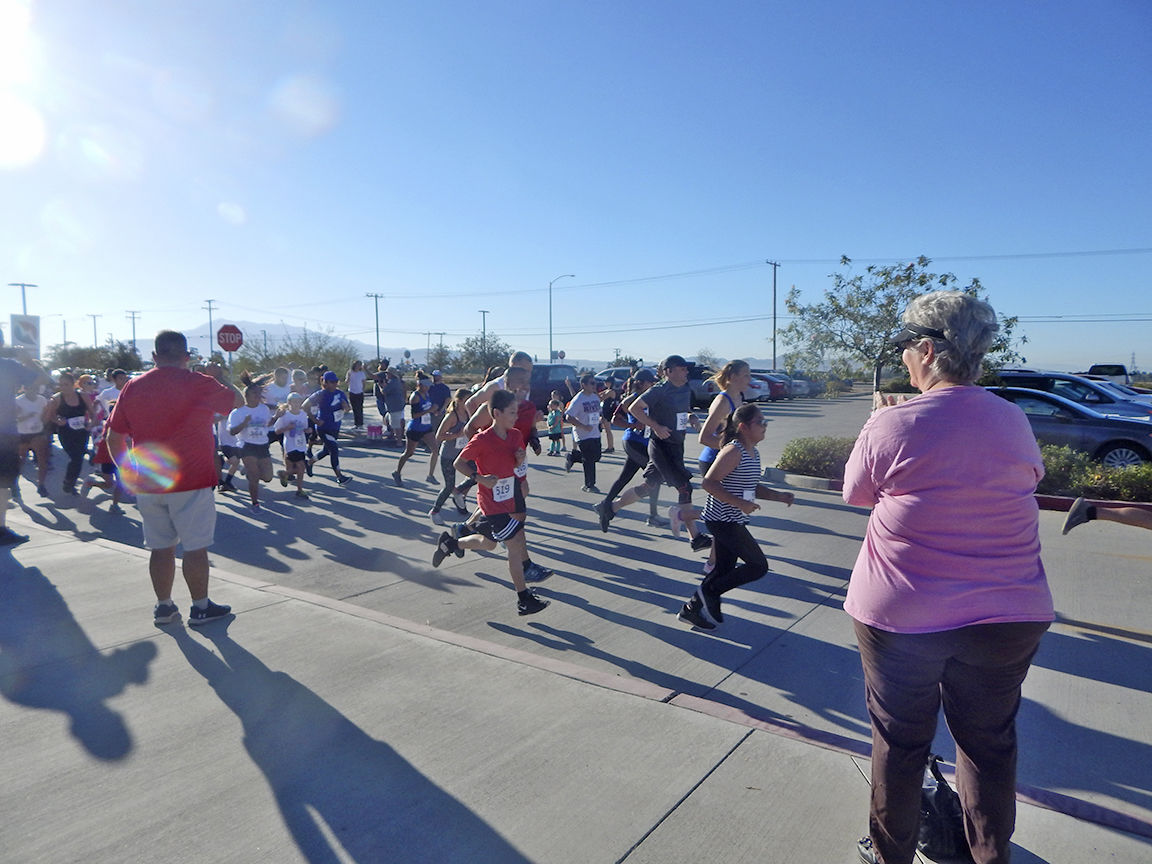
(1117, 442)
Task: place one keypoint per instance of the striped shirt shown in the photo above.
(741, 482)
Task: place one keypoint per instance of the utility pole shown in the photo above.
(211, 332)
(773, 265)
(484, 336)
(23, 297)
(133, 314)
(265, 332)
(95, 342)
(376, 298)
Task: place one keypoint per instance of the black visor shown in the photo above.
(912, 332)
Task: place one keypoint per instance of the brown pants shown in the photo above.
(976, 672)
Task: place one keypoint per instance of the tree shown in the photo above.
(440, 356)
(859, 313)
(113, 355)
(482, 351)
(705, 357)
(299, 351)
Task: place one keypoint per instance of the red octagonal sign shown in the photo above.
(229, 337)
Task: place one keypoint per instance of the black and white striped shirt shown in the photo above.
(741, 483)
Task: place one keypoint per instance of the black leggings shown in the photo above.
(331, 448)
(733, 542)
(357, 400)
(74, 442)
(637, 454)
(588, 454)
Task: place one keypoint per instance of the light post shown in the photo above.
(483, 336)
(95, 338)
(23, 297)
(376, 298)
(773, 265)
(551, 356)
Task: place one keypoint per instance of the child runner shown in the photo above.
(555, 428)
(229, 446)
(419, 430)
(733, 486)
(449, 435)
(327, 405)
(584, 414)
(292, 426)
(251, 423)
(491, 458)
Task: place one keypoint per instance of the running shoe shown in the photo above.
(533, 572)
(656, 522)
(300, 493)
(165, 613)
(867, 851)
(85, 488)
(591, 488)
(116, 510)
(342, 479)
(604, 508)
(709, 566)
(701, 541)
(567, 463)
(460, 501)
(711, 605)
(1077, 515)
(609, 449)
(228, 485)
(214, 611)
(435, 516)
(674, 520)
(8, 537)
(531, 604)
(42, 490)
(695, 617)
(397, 479)
(445, 546)
(431, 479)
(308, 466)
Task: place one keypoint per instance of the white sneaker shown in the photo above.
(435, 516)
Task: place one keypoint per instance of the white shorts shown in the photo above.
(169, 518)
(396, 419)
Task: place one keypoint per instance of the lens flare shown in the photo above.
(151, 468)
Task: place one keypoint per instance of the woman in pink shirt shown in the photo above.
(948, 594)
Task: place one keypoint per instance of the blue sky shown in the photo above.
(286, 158)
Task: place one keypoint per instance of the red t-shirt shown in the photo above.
(526, 418)
(169, 414)
(495, 455)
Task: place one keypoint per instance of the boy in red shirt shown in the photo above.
(491, 458)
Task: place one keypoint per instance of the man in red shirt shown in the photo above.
(160, 435)
(491, 458)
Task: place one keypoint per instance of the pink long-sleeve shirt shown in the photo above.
(953, 537)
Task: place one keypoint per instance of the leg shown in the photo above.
(517, 554)
(195, 568)
(902, 674)
(733, 541)
(252, 472)
(162, 569)
(981, 694)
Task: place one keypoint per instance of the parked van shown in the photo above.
(1115, 372)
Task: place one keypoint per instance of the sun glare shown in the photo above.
(24, 134)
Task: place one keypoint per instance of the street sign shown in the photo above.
(25, 332)
(229, 338)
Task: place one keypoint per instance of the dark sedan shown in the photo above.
(1116, 441)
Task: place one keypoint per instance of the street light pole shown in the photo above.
(95, 338)
(133, 314)
(773, 265)
(483, 336)
(23, 296)
(376, 300)
(551, 356)
(211, 334)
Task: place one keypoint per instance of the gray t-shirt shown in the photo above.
(670, 406)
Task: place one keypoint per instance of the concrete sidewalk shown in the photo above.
(311, 729)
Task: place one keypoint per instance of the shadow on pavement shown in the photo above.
(48, 662)
(330, 778)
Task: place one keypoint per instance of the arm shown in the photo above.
(481, 419)
(444, 432)
(714, 424)
(480, 397)
(860, 488)
(724, 465)
(468, 468)
(639, 410)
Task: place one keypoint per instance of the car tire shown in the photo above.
(1122, 456)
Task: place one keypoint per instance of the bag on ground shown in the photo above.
(941, 818)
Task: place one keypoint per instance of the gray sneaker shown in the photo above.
(1077, 515)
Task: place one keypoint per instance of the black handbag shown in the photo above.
(941, 818)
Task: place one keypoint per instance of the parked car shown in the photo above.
(775, 387)
(1097, 395)
(547, 377)
(704, 389)
(782, 377)
(1126, 392)
(1116, 441)
(614, 377)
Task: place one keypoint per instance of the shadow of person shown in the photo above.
(343, 794)
(48, 662)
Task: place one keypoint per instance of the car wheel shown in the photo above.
(1122, 456)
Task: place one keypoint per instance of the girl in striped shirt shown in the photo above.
(733, 487)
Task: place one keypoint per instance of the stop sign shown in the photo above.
(229, 337)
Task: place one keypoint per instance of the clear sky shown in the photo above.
(285, 158)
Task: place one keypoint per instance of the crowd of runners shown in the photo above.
(292, 421)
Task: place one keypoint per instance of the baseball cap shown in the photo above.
(674, 360)
(644, 374)
(331, 376)
(437, 374)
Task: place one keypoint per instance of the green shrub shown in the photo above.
(1072, 473)
(817, 457)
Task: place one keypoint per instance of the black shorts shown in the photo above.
(108, 469)
(417, 434)
(498, 527)
(9, 459)
(229, 451)
(255, 451)
(295, 456)
(555, 436)
(28, 438)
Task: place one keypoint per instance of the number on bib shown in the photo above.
(502, 491)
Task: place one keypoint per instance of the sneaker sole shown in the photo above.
(544, 604)
(200, 622)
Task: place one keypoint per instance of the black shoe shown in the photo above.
(8, 537)
(214, 612)
(695, 617)
(604, 508)
(609, 449)
(567, 463)
(342, 479)
(531, 604)
(711, 605)
(445, 546)
(533, 572)
(308, 466)
(701, 541)
(591, 488)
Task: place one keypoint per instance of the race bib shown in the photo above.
(682, 421)
(749, 494)
(255, 433)
(76, 422)
(294, 440)
(337, 416)
(502, 491)
(520, 470)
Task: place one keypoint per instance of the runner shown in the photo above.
(583, 412)
(229, 446)
(292, 426)
(491, 458)
(449, 435)
(733, 487)
(608, 405)
(518, 359)
(251, 423)
(327, 406)
(439, 393)
(108, 396)
(635, 451)
(666, 409)
(30, 407)
(732, 381)
(394, 399)
(419, 430)
(70, 412)
(106, 476)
